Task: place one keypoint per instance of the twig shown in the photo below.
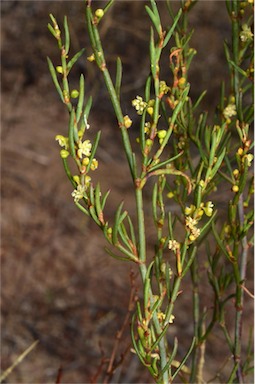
(18, 361)
(119, 334)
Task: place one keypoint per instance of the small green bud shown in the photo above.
(162, 134)
(76, 178)
(99, 13)
(59, 69)
(149, 142)
(64, 153)
(74, 93)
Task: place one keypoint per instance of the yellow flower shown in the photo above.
(189, 210)
(87, 181)
(161, 316)
(163, 88)
(63, 141)
(139, 105)
(249, 158)
(91, 57)
(147, 127)
(170, 195)
(78, 193)
(127, 121)
(229, 111)
(94, 164)
(208, 209)
(191, 225)
(246, 33)
(84, 148)
(174, 245)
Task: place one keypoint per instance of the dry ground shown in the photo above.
(58, 285)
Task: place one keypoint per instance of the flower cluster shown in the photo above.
(161, 317)
(198, 212)
(174, 245)
(193, 215)
(80, 190)
(246, 33)
(163, 88)
(191, 226)
(229, 112)
(83, 158)
(139, 104)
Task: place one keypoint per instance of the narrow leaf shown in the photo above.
(55, 79)
(118, 77)
(71, 133)
(171, 30)
(81, 99)
(74, 59)
(67, 36)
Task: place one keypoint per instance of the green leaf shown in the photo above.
(171, 30)
(154, 17)
(88, 107)
(104, 199)
(198, 101)
(240, 70)
(93, 149)
(116, 224)
(132, 231)
(74, 60)
(170, 360)
(112, 254)
(118, 78)
(68, 172)
(52, 30)
(185, 358)
(217, 164)
(134, 340)
(108, 5)
(81, 99)
(55, 79)
(71, 133)
(83, 209)
(98, 203)
(219, 241)
(67, 36)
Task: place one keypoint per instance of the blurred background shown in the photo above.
(58, 285)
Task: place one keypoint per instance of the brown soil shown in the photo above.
(58, 284)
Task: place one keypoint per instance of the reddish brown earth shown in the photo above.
(58, 284)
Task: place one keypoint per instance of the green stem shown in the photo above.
(143, 271)
(98, 52)
(235, 48)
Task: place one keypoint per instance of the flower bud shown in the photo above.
(99, 13)
(59, 69)
(74, 93)
(162, 134)
(64, 153)
(127, 121)
(235, 188)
